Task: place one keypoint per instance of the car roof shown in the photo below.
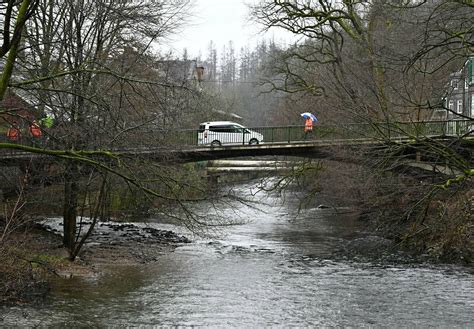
(220, 123)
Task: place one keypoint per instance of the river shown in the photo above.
(279, 268)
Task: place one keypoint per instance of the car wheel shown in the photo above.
(253, 141)
(216, 143)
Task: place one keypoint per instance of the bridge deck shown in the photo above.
(277, 141)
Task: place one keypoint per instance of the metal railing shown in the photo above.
(377, 131)
(174, 139)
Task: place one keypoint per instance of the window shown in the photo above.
(472, 106)
(470, 71)
(454, 83)
(451, 105)
(222, 128)
(239, 129)
(459, 107)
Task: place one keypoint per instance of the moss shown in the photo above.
(53, 260)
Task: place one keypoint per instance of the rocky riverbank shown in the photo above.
(122, 242)
(34, 256)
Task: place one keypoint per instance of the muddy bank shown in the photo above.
(403, 209)
(436, 240)
(113, 242)
(34, 256)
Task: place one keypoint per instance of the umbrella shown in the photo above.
(307, 115)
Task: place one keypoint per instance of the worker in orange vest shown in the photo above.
(308, 127)
(35, 129)
(13, 134)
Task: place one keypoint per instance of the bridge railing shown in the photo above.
(421, 129)
(380, 130)
(287, 134)
(296, 133)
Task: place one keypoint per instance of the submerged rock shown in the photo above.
(323, 206)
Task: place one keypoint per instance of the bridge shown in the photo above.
(313, 148)
(182, 145)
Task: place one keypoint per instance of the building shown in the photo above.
(15, 110)
(459, 99)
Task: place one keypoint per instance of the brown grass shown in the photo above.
(27, 260)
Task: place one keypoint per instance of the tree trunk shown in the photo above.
(70, 205)
(7, 70)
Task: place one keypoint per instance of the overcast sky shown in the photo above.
(221, 21)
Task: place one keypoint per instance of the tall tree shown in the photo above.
(71, 64)
(379, 62)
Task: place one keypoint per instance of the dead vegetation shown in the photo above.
(410, 208)
(26, 264)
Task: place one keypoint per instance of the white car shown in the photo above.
(216, 133)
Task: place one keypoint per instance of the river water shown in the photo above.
(280, 268)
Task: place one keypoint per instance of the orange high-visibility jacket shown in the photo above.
(13, 134)
(35, 130)
(308, 125)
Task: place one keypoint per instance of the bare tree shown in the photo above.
(88, 64)
(380, 62)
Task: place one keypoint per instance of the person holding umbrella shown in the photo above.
(310, 120)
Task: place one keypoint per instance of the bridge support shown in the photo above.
(212, 180)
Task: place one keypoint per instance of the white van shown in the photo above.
(216, 133)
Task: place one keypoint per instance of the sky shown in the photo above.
(221, 21)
